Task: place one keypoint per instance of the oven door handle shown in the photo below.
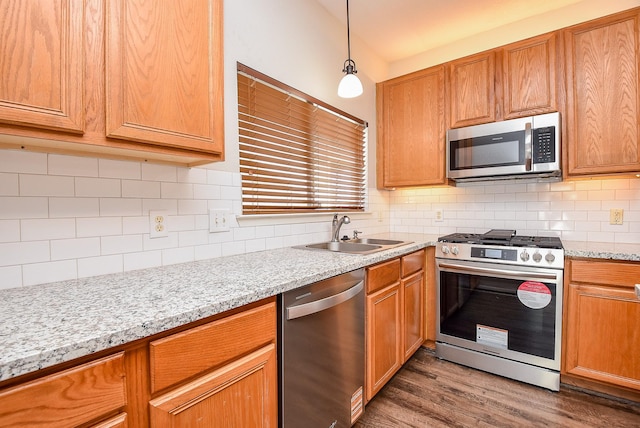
(510, 273)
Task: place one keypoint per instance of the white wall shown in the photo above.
(64, 217)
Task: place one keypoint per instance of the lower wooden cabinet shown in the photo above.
(73, 397)
(217, 373)
(395, 321)
(602, 331)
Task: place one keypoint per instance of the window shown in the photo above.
(297, 154)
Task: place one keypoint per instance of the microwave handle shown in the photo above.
(527, 147)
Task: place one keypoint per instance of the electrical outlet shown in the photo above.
(219, 220)
(616, 216)
(439, 215)
(158, 224)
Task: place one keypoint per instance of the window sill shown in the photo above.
(273, 219)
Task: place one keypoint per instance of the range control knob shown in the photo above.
(455, 251)
(537, 257)
(550, 257)
(445, 249)
(524, 256)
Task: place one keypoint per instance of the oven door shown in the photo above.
(512, 312)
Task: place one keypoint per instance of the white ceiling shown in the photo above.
(399, 29)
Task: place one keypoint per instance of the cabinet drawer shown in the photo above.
(183, 355)
(69, 398)
(607, 273)
(382, 275)
(413, 263)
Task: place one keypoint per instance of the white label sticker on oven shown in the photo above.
(491, 336)
(534, 295)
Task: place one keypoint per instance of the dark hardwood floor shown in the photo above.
(428, 392)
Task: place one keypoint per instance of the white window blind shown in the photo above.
(296, 154)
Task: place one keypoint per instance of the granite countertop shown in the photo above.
(44, 325)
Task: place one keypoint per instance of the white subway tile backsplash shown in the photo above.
(74, 207)
(44, 229)
(65, 249)
(191, 206)
(192, 238)
(154, 172)
(135, 225)
(109, 168)
(142, 260)
(19, 207)
(120, 207)
(220, 178)
(9, 230)
(11, 277)
(98, 187)
(23, 162)
(209, 251)
(20, 253)
(206, 191)
(172, 256)
(176, 190)
(93, 266)
(120, 244)
(9, 184)
(46, 185)
(98, 226)
(192, 175)
(40, 273)
(140, 189)
(74, 166)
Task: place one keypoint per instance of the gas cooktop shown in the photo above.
(503, 237)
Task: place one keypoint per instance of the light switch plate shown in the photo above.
(219, 220)
(616, 215)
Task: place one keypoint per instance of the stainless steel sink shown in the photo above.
(345, 247)
(375, 241)
(356, 246)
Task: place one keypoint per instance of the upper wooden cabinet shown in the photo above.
(411, 129)
(127, 79)
(41, 64)
(472, 89)
(164, 73)
(602, 109)
(530, 77)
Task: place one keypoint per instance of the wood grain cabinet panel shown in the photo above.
(70, 398)
(183, 355)
(411, 129)
(603, 323)
(240, 394)
(603, 96)
(472, 89)
(529, 70)
(164, 73)
(395, 317)
(41, 60)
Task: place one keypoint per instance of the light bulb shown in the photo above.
(350, 86)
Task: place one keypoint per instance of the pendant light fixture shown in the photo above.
(350, 86)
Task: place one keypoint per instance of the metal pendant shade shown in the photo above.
(350, 86)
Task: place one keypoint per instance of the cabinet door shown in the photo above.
(384, 337)
(164, 73)
(41, 60)
(472, 90)
(240, 394)
(603, 334)
(411, 118)
(602, 96)
(413, 307)
(529, 77)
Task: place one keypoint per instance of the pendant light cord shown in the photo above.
(348, 35)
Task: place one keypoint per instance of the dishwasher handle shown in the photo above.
(309, 308)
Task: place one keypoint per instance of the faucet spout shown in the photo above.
(336, 225)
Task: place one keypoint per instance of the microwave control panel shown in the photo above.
(544, 142)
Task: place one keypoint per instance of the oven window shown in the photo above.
(489, 311)
(489, 151)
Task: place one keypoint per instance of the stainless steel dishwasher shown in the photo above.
(322, 353)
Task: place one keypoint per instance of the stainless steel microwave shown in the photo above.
(527, 147)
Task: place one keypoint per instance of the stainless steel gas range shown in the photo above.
(500, 304)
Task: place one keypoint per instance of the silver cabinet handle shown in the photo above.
(322, 304)
(638, 291)
(527, 147)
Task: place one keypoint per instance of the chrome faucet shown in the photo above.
(336, 225)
